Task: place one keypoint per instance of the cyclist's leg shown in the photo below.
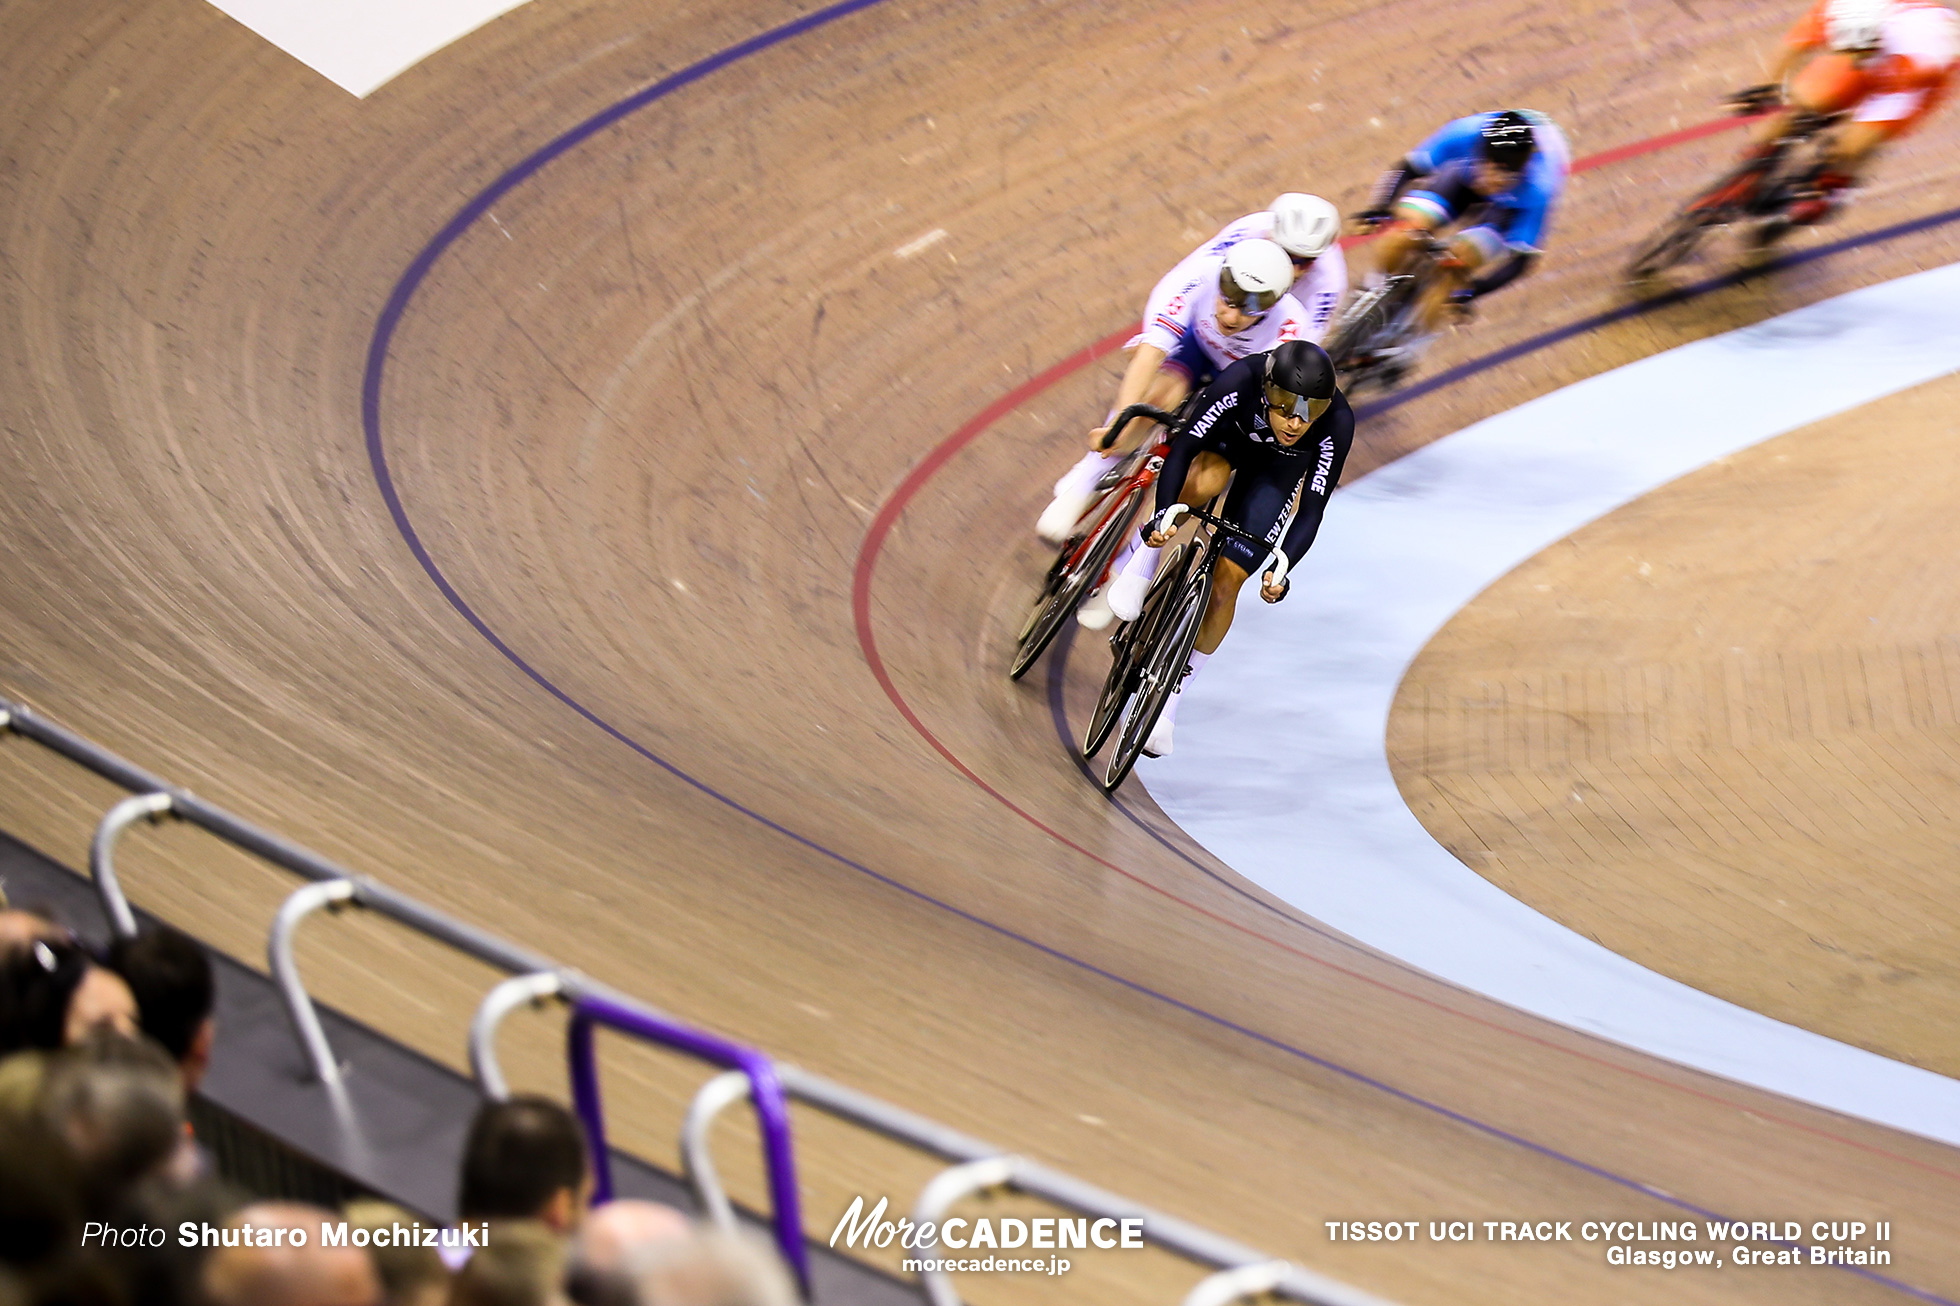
(1257, 504)
(1227, 578)
(1877, 121)
(1208, 475)
(1470, 250)
(1418, 214)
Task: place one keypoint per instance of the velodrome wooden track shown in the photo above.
(640, 420)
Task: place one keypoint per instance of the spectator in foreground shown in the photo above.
(119, 1104)
(712, 1268)
(525, 1159)
(40, 1195)
(410, 1276)
(611, 1242)
(313, 1275)
(20, 927)
(175, 991)
(52, 994)
(524, 1265)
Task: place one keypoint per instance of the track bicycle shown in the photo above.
(1150, 655)
(1373, 341)
(1757, 191)
(1083, 562)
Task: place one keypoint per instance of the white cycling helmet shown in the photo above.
(1305, 225)
(1855, 24)
(1255, 275)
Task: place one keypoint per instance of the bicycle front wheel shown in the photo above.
(1162, 670)
(1066, 587)
(1356, 331)
(1127, 648)
(1669, 247)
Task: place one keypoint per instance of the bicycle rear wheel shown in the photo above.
(1126, 647)
(1163, 666)
(1669, 247)
(1359, 325)
(1729, 197)
(1067, 585)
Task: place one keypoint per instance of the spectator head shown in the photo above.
(19, 928)
(712, 1268)
(524, 1265)
(118, 1102)
(171, 978)
(611, 1241)
(40, 1194)
(21, 1076)
(410, 1276)
(524, 1160)
(310, 1275)
(51, 994)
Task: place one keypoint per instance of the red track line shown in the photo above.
(944, 452)
(1653, 143)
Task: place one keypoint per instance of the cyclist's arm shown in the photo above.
(1507, 270)
(1401, 175)
(1523, 230)
(1216, 405)
(1144, 362)
(1787, 58)
(1315, 487)
(1167, 317)
(1170, 479)
(1810, 32)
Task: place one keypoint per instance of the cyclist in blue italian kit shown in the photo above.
(1501, 172)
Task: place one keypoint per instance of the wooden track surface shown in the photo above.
(1715, 730)
(640, 419)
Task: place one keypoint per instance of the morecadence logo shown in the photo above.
(859, 1229)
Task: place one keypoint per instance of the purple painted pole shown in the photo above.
(765, 1091)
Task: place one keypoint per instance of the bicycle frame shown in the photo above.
(1093, 547)
(1758, 189)
(1379, 318)
(1142, 676)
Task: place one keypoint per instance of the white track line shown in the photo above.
(360, 44)
(1281, 767)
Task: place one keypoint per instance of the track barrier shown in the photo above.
(748, 1074)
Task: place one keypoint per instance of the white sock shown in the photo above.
(1131, 543)
(1082, 478)
(1143, 561)
(1170, 707)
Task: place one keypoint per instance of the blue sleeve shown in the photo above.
(1533, 211)
(1456, 140)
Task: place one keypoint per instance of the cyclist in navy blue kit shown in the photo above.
(1278, 421)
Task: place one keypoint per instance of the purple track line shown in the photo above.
(371, 389)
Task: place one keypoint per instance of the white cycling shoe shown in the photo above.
(1057, 520)
(1094, 613)
(1159, 743)
(1126, 595)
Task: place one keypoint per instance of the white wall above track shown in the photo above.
(360, 44)
(1281, 766)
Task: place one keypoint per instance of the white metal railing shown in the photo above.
(977, 1166)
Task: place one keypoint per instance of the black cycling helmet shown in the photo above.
(1508, 140)
(1300, 379)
